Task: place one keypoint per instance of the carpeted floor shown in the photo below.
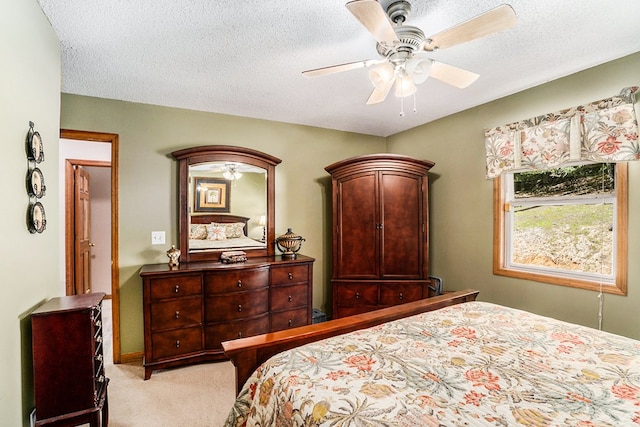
(192, 396)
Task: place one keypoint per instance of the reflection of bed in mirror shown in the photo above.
(221, 232)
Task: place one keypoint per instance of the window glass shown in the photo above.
(563, 226)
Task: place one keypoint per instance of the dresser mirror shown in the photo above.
(225, 202)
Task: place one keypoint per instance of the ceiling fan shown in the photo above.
(404, 48)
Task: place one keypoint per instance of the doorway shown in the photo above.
(96, 167)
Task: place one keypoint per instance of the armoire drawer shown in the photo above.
(352, 310)
(399, 293)
(356, 293)
(174, 287)
(176, 342)
(282, 275)
(221, 282)
(289, 319)
(214, 335)
(288, 297)
(222, 308)
(176, 313)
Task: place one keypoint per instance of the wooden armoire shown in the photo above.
(380, 232)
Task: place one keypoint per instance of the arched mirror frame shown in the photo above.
(223, 153)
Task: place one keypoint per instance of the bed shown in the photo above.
(466, 363)
(221, 232)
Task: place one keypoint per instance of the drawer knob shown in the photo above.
(239, 283)
(357, 295)
(176, 289)
(290, 322)
(177, 314)
(401, 296)
(290, 276)
(239, 307)
(239, 334)
(290, 298)
(177, 343)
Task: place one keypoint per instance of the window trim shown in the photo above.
(499, 236)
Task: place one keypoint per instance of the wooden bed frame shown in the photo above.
(247, 354)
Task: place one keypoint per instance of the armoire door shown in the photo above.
(356, 235)
(403, 225)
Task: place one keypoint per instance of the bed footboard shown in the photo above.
(247, 354)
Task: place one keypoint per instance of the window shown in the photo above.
(565, 226)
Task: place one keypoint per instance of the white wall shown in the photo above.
(100, 185)
(100, 209)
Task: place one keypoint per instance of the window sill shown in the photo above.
(619, 288)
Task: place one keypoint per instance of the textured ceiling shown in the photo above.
(246, 57)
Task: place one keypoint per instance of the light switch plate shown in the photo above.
(157, 238)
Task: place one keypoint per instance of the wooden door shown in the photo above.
(82, 203)
(356, 237)
(403, 219)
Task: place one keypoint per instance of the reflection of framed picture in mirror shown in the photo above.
(211, 195)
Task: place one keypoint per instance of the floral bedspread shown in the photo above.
(473, 364)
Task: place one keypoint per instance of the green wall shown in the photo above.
(148, 134)
(30, 264)
(461, 200)
(459, 235)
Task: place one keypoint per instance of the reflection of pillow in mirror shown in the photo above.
(216, 232)
(198, 231)
(234, 230)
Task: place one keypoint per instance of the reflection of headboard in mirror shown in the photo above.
(251, 203)
(221, 219)
(221, 232)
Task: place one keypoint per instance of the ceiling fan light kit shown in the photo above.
(404, 48)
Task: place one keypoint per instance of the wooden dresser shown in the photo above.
(191, 310)
(380, 232)
(68, 361)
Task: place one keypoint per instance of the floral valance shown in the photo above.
(601, 131)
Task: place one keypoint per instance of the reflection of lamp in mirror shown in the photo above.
(231, 172)
(263, 223)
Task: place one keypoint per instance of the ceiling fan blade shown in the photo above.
(379, 95)
(497, 19)
(340, 68)
(452, 75)
(374, 19)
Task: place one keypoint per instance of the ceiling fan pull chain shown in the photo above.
(401, 107)
(415, 109)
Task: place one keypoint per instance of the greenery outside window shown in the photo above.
(564, 226)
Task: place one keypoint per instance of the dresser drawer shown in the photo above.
(286, 274)
(357, 294)
(222, 308)
(176, 313)
(236, 280)
(176, 342)
(216, 334)
(175, 286)
(288, 297)
(289, 319)
(399, 293)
